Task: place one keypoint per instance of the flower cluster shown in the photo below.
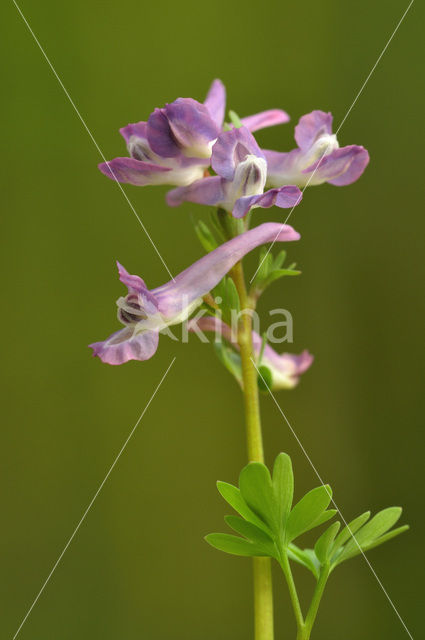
(187, 144)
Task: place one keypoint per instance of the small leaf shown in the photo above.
(365, 536)
(233, 496)
(234, 545)
(205, 236)
(303, 558)
(232, 296)
(386, 537)
(279, 273)
(349, 530)
(283, 486)
(323, 546)
(307, 512)
(230, 359)
(252, 533)
(256, 488)
(235, 119)
(279, 259)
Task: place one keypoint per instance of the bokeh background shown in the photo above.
(138, 567)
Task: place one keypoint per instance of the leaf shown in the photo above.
(232, 296)
(252, 533)
(307, 512)
(367, 534)
(230, 359)
(234, 545)
(235, 119)
(256, 488)
(303, 558)
(283, 486)
(386, 537)
(349, 529)
(279, 273)
(205, 236)
(323, 546)
(233, 496)
(279, 259)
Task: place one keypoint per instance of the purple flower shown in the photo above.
(144, 313)
(285, 368)
(318, 159)
(239, 184)
(174, 146)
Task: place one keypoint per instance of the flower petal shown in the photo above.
(265, 119)
(191, 126)
(138, 130)
(132, 171)
(125, 345)
(215, 102)
(160, 136)
(359, 162)
(198, 279)
(283, 197)
(205, 191)
(341, 167)
(311, 126)
(231, 148)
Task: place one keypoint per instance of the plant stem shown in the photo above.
(263, 588)
(314, 606)
(286, 568)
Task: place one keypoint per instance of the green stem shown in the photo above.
(317, 596)
(263, 588)
(286, 568)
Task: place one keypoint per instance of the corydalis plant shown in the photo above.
(269, 523)
(188, 144)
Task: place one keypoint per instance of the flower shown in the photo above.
(285, 368)
(144, 313)
(318, 159)
(174, 145)
(239, 184)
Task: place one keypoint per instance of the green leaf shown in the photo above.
(235, 119)
(232, 296)
(304, 558)
(256, 488)
(230, 359)
(279, 259)
(283, 486)
(234, 545)
(308, 512)
(367, 534)
(233, 496)
(279, 273)
(349, 529)
(323, 546)
(252, 533)
(205, 236)
(386, 537)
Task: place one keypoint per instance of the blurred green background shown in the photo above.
(138, 567)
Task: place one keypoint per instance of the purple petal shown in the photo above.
(215, 102)
(359, 162)
(160, 136)
(265, 119)
(132, 171)
(138, 129)
(205, 191)
(341, 167)
(311, 126)
(123, 346)
(135, 284)
(283, 197)
(231, 148)
(194, 282)
(192, 126)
